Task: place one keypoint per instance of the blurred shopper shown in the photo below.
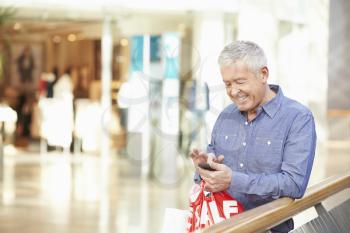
(46, 82)
(42, 87)
(123, 104)
(25, 65)
(24, 113)
(59, 113)
(63, 88)
(263, 145)
(81, 86)
(51, 82)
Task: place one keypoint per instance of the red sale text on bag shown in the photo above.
(208, 208)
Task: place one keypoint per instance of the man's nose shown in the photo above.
(234, 91)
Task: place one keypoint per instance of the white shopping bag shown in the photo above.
(175, 220)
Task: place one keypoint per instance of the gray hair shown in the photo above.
(248, 52)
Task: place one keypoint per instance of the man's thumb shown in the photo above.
(216, 166)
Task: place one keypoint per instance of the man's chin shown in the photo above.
(242, 107)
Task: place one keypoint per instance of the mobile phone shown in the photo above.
(206, 166)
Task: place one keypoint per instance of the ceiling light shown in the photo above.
(17, 26)
(71, 37)
(56, 39)
(124, 42)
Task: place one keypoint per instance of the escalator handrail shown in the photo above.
(271, 214)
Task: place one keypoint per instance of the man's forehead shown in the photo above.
(234, 71)
(233, 78)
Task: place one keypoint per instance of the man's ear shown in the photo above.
(264, 74)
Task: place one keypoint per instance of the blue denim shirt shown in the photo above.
(272, 155)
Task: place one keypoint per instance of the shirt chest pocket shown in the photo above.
(226, 143)
(268, 153)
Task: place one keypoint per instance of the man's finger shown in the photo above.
(194, 153)
(204, 173)
(210, 159)
(207, 188)
(210, 188)
(220, 158)
(203, 154)
(217, 166)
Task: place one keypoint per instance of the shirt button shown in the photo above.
(268, 143)
(246, 123)
(241, 164)
(244, 143)
(226, 137)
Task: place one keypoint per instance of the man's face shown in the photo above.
(245, 88)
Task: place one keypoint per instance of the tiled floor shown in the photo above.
(81, 193)
(64, 193)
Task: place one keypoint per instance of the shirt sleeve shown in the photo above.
(298, 156)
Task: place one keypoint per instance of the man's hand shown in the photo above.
(202, 157)
(218, 180)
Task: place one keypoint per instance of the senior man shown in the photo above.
(263, 144)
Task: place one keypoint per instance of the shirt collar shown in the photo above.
(273, 105)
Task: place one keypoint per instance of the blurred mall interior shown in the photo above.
(101, 101)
